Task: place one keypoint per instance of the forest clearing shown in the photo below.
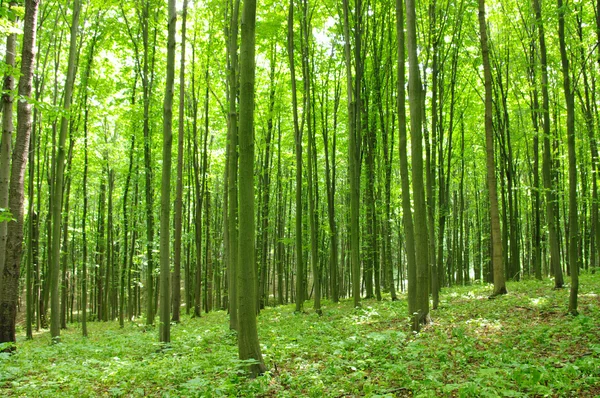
(523, 344)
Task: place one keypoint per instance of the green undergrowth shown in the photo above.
(522, 344)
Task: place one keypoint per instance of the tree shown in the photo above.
(248, 346)
(407, 218)
(14, 245)
(354, 139)
(232, 163)
(547, 157)
(498, 267)
(416, 134)
(179, 187)
(57, 200)
(298, 150)
(165, 199)
(570, 102)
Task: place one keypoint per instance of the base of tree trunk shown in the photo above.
(502, 291)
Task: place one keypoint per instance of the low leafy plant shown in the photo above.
(522, 344)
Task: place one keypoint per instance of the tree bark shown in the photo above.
(165, 197)
(6, 141)
(498, 267)
(420, 212)
(232, 165)
(298, 150)
(179, 188)
(248, 345)
(57, 201)
(9, 288)
(354, 142)
(547, 174)
(573, 222)
(407, 218)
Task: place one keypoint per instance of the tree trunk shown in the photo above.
(570, 102)
(6, 141)
(403, 156)
(266, 189)
(65, 237)
(232, 165)
(165, 196)
(298, 149)
(57, 199)
(9, 288)
(147, 93)
(498, 267)
(420, 212)
(84, 276)
(248, 345)
(354, 141)
(179, 188)
(547, 172)
(124, 268)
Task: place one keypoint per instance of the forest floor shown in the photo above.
(522, 344)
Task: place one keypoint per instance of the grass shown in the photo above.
(522, 344)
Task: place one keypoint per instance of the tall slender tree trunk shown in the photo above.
(498, 267)
(403, 156)
(108, 269)
(430, 154)
(298, 149)
(266, 188)
(420, 212)
(179, 188)
(330, 179)
(232, 164)
(165, 197)
(248, 345)
(306, 78)
(535, 116)
(84, 276)
(573, 222)
(65, 237)
(147, 92)
(547, 173)
(124, 267)
(354, 141)
(280, 222)
(9, 288)
(57, 201)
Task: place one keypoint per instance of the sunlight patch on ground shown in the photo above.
(538, 301)
(485, 324)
